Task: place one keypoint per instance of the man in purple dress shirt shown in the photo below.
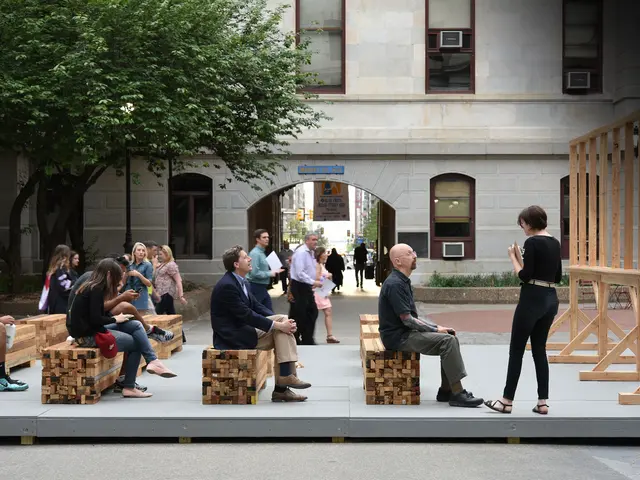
(303, 279)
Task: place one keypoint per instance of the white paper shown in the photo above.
(325, 289)
(10, 335)
(274, 261)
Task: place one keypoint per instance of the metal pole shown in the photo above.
(128, 240)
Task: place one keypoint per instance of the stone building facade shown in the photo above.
(486, 125)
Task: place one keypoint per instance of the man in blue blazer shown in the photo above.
(240, 322)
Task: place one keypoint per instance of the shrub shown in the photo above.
(504, 279)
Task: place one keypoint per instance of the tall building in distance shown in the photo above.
(292, 200)
(365, 202)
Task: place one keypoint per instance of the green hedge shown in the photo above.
(505, 279)
(25, 284)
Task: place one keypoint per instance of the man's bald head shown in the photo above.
(403, 258)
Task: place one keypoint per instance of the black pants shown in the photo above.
(359, 268)
(165, 306)
(304, 311)
(284, 277)
(533, 317)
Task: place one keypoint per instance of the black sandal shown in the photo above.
(537, 410)
(492, 405)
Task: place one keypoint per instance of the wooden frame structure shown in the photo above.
(608, 153)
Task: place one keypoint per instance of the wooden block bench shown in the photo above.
(368, 319)
(390, 378)
(369, 331)
(77, 375)
(234, 377)
(23, 352)
(172, 323)
(50, 330)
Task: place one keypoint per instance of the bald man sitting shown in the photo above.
(402, 330)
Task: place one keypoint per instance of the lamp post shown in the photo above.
(128, 238)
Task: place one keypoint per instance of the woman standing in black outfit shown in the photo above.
(537, 307)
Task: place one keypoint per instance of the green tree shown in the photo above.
(370, 230)
(84, 83)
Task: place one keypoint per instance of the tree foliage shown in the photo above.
(83, 83)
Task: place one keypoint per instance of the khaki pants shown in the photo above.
(283, 344)
(446, 346)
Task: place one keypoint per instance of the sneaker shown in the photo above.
(160, 335)
(118, 386)
(7, 384)
(465, 399)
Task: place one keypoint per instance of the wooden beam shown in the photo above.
(604, 180)
(593, 202)
(573, 205)
(635, 116)
(615, 200)
(582, 204)
(628, 195)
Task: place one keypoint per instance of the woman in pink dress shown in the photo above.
(323, 303)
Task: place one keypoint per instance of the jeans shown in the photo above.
(262, 295)
(132, 339)
(533, 317)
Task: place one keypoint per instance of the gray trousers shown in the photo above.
(444, 345)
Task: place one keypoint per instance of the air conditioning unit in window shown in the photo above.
(453, 250)
(451, 39)
(578, 80)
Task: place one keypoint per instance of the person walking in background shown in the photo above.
(335, 266)
(139, 277)
(303, 307)
(360, 255)
(261, 274)
(59, 279)
(74, 264)
(537, 307)
(285, 254)
(167, 283)
(323, 303)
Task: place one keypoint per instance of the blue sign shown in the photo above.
(321, 170)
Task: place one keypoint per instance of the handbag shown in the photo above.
(43, 304)
(106, 342)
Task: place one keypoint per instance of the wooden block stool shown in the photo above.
(171, 323)
(50, 330)
(390, 377)
(77, 375)
(234, 377)
(23, 352)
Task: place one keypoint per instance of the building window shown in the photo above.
(582, 46)
(564, 214)
(453, 213)
(323, 25)
(450, 69)
(191, 218)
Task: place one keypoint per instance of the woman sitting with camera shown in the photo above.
(88, 318)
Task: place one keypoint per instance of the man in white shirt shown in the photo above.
(303, 279)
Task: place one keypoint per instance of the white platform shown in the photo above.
(335, 407)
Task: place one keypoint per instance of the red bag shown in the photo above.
(106, 342)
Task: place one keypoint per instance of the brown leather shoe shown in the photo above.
(291, 381)
(287, 396)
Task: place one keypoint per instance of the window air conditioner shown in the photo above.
(453, 249)
(451, 39)
(579, 80)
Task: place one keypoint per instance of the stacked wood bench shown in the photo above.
(50, 330)
(77, 375)
(171, 323)
(390, 377)
(23, 352)
(234, 377)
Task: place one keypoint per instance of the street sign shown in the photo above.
(320, 169)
